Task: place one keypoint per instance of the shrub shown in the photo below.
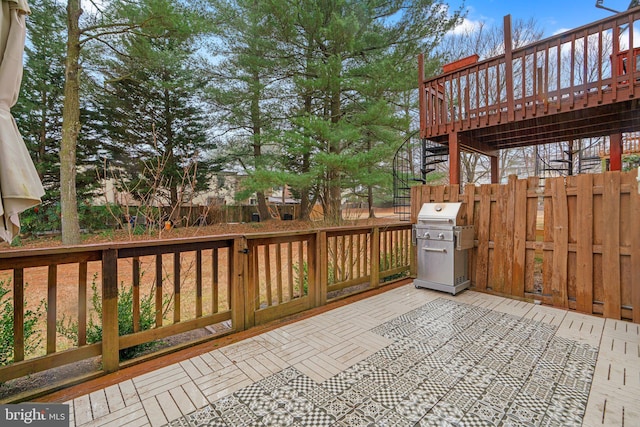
(32, 336)
(69, 328)
(305, 279)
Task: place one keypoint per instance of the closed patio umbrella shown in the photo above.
(20, 186)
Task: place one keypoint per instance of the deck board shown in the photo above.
(487, 355)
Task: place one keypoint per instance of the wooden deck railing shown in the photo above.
(591, 65)
(230, 283)
(630, 145)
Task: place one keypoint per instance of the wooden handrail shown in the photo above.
(290, 267)
(544, 77)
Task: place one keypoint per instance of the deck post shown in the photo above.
(322, 261)
(495, 172)
(615, 151)
(375, 257)
(454, 158)
(241, 313)
(508, 62)
(422, 102)
(110, 338)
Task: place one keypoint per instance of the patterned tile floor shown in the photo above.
(406, 357)
(449, 364)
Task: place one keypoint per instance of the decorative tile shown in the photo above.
(504, 391)
(522, 416)
(271, 382)
(239, 416)
(299, 407)
(250, 393)
(523, 400)
(474, 420)
(366, 386)
(584, 353)
(393, 419)
(450, 364)
(355, 419)
(448, 412)
(336, 385)
(277, 418)
(337, 408)
(206, 416)
(387, 397)
(316, 417)
(487, 413)
(461, 398)
(413, 408)
(284, 394)
(566, 411)
(432, 420)
(541, 390)
(226, 403)
(288, 374)
(574, 383)
(352, 398)
(402, 387)
(371, 409)
(262, 405)
(319, 396)
(470, 392)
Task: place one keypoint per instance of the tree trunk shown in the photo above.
(256, 122)
(334, 213)
(370, 201)
(305, 203)
(369, 187)
(70, 128)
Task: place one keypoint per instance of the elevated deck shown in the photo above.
(579, 84)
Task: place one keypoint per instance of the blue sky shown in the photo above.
(553, 16)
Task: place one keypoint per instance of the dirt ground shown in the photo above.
(67, 279)
(67, 275)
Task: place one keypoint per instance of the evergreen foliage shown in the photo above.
(313, 95)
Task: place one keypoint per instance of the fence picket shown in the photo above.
(611, 245)
(560, 243)
(584, 244)
(635, 248)
(519, 237)
(484, 218)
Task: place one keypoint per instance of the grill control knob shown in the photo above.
(427, 235)
(441, 236)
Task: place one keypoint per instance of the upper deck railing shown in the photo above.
(593, 65)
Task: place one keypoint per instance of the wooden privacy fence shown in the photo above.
(230, 283)
(574, 243)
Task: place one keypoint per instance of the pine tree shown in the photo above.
(351, 60)
(152, 107)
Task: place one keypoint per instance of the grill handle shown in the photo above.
(435, 250)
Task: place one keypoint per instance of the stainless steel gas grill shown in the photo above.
(442, 247)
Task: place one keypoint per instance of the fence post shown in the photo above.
(110, 339)
(238, 263)
(375, 257)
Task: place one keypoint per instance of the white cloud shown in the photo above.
(467, 26)
(561, 30)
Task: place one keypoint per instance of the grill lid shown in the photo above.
(440, 214)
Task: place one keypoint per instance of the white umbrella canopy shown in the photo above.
(20, 186)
